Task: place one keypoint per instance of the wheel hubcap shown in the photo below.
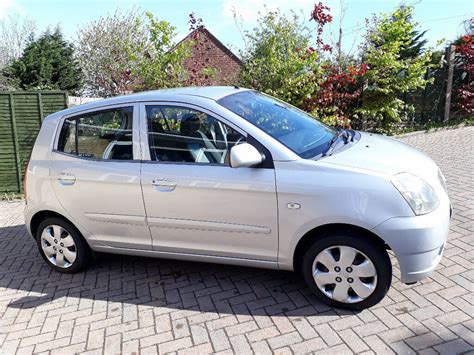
(58, 246)
(344, 274)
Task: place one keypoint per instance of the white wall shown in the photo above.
(77, 100)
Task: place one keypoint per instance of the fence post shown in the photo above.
(40, 107)
(449, 85)
(15, 145)
(423, 100)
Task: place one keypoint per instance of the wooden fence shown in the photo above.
(21, 115)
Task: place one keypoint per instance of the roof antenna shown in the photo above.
(236, 87)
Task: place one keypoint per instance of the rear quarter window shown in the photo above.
(105, 134)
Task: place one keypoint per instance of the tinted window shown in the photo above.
(300, 132)
(178, 134)
(99, 135)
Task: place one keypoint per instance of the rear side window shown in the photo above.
(100, 135)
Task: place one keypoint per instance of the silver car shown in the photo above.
(233, 176)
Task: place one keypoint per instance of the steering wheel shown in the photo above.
(227, 151)
(239, 140)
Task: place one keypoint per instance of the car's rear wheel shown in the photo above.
(62, 246)
(346, 270)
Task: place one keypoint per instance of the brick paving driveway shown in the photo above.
(130, 304)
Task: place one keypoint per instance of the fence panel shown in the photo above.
(21, 114)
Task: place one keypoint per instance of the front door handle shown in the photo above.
(163, 185)
(66, 179)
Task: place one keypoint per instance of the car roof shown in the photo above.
(177, 94)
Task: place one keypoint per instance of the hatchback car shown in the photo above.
(230, 175)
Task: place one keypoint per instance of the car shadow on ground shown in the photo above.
(179, 285)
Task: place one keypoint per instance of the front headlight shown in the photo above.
(417, 192)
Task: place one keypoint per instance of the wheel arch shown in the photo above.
(311, 236)
(40, 216)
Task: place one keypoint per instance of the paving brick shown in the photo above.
(240, 344)
(454, 347)
(131, 347)
(394, 335)
(96, 339)
(26, 350)
(385, 316)
(19, 334)
(198, 349)
(223, 322)
(199, 334)
(329, 336)
(36, 339)
(283, 324)
(451, 318)
(51, 345)
(400, 347)
(241, 328)
(353, 340)
(139, 333)
(338, 349)
(156, 339)
(370, 328)
(284, 340)
(308, 346)
(113, 344)
(377, 345)
(175, 345)
(219, 340)
(10, 347)
(304, 328)
(424, 341)
(261, 348)
(78, 333)
(71, 349)
(438, 329)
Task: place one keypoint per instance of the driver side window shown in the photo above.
(184, 135)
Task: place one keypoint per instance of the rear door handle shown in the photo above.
(66, 179)
(163, 185)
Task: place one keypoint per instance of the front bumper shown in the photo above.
(418, 242)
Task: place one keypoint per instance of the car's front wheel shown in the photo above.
(346, 270)
(62, 246)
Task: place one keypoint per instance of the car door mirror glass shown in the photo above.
(245, 155)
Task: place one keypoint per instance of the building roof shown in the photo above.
(214, 39)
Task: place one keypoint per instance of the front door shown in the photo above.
(95, 171)
(195, 202)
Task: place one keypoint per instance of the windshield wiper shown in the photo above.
(345, 135)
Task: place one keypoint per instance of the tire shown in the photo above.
(337, 278)
(62, 246)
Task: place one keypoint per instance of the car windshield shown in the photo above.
(292, 127)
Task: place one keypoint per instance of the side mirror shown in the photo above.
(245, 155)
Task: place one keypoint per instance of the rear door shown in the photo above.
(95, 171)
(195, 202)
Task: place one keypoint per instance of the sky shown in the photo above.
(441, 19)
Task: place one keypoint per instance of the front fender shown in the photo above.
(330, 195)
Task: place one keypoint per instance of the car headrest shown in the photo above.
(189, 124)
